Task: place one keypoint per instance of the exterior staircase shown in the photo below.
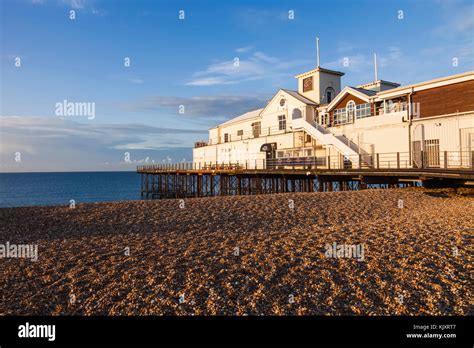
(325, 137)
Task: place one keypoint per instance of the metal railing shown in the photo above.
(247, 134)
(393, 107)
(445, 160)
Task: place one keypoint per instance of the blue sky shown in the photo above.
(189, 62)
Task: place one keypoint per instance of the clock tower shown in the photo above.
(319, 85)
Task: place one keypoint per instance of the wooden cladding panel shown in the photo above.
(458, 97)
(347, 98)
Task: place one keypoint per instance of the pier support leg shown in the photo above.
(320, 185)
(330, 186)
(146, 184)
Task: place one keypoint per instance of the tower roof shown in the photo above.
(319, 69)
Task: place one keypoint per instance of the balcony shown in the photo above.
(200, 144)
(391, 108)
(344, 116)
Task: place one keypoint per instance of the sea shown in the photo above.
(34, 189)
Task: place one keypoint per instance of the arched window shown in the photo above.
(350, 110)
(296, 114)
(329, 94)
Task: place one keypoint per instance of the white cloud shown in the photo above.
(217, 107)
(458, 20)
(209, 81)
(81, 5)
(76, 4)
(392, 57)
(136, 81)
(256, 66)
(260, 56)
(243, 49)
(351, 63)
(56, 144)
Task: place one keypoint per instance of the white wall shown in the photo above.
(455, 134)
(247, 148)
(377, 134)
(242, 151)
(452, 132)
(382, 134)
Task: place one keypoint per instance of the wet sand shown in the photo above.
(246, 255)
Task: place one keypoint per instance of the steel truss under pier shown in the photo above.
(185, 183)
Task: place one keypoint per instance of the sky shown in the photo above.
(156, 75)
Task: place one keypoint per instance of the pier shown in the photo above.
(186, 180)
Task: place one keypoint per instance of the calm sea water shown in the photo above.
(27, 189)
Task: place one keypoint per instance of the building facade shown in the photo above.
(376, 125)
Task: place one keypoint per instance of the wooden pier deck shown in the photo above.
(164, 181)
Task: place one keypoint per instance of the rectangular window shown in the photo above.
(363, 110)
(280, 154)
(240, 133)
(340, 116)
(281, 122)
(432, 153)
(323, 119)
(309, 152)
(256, 129)
(226, 138)
(300, 139)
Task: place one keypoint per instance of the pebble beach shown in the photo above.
(245, 255)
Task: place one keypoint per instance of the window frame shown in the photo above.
(281, 122)
(350, 110)
(363, 110)
(256, 126)
(333, 94)
(340, 116)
